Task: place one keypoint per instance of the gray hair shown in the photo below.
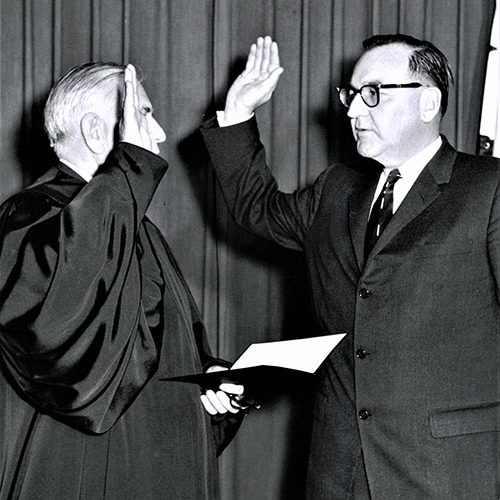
(86, 85)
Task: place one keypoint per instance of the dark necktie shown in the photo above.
(381, 211)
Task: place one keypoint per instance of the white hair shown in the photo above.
(86, 87)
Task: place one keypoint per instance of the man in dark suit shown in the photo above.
(94, 312)
(403, 253)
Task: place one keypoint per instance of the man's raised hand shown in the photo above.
(256, 84)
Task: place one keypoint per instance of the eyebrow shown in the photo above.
(352, 87)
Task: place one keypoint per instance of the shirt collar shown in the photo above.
(412, 167)
(80, 171)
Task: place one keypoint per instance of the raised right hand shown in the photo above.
(134, 126)
(256, 84)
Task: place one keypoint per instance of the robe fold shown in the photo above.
(93, 312)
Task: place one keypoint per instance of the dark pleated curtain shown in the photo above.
(189, 51)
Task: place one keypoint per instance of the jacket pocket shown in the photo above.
(468, 420)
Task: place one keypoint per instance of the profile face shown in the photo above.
(155, 131)
(110, 112)
(388, 131)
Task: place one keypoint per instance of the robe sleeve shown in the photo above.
(73, 335)
(250, 190)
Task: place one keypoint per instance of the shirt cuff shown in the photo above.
(221, 119)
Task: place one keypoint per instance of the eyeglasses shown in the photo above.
(370, 93)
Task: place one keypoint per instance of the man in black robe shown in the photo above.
(94, 312)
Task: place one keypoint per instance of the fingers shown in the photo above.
(256, 84)
(129, 103)
(128, 97)
(208, 405)
(263, 57)
(130, 86)
(216, 368)
(226, 399)
(274, 57)
(254, 60)
(251, 58)
(217, 402)
(232, 388)
(266, 55)
(274, 77)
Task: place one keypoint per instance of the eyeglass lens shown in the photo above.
(369, 94)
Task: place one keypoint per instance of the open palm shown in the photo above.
(258, 81)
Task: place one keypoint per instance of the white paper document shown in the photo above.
(301, 354)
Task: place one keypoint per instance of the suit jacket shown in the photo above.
(93, 313)
(411, 396)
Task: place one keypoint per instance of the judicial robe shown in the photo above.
(93, 312)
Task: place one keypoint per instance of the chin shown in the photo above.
(363, 150)
(369, 150)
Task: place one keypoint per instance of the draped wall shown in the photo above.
(189, 51)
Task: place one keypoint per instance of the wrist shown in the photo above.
(236, 113)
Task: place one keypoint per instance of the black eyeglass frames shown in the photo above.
(370, 93)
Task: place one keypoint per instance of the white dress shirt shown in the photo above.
(80, 171)
(409, 171)
(221, 119)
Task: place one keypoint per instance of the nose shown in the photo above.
(156, 133)
(357, 107)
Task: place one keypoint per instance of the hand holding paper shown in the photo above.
(262, 362)
(227, 399)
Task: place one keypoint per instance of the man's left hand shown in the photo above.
(225, 399)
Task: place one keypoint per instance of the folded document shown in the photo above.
(270, 360)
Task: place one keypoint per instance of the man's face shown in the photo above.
(392, 131)
(151, 126)
(156, 133)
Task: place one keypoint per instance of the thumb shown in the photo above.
(276, 72)
(274, 76)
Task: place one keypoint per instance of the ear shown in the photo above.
(93, 132)
(430, 104)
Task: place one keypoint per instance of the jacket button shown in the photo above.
(364, 293)
(364, 414)
(361, 353)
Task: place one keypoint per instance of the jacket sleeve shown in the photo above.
(251, 192)
(73, 336)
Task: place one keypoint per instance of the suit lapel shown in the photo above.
(359, 208)
(425, 190)
(421, 195)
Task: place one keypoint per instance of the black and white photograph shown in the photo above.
(249, 250)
